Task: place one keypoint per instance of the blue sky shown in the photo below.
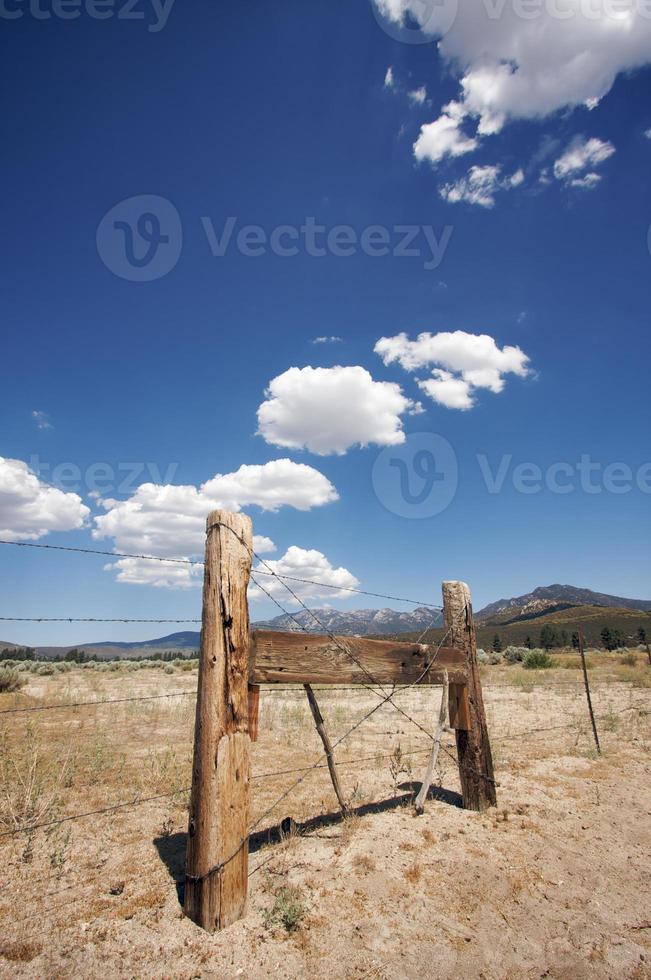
(274, 114)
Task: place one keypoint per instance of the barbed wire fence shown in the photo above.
(386, 696)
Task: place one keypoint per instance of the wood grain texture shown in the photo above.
(459, 706)
(217, 849)
(327, 745)
(419, 802)
(254, 711)
(473, 746)
(310, 658)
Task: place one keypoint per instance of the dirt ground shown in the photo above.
(553, 883)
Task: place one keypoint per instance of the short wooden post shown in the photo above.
(254, 711)
(327, 745)
(586, 684)
(473, 746)
(419, 802)
(217, 850)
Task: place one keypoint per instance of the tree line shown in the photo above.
(554, 639)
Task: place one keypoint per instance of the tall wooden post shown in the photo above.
(473, 746)
(217, 851)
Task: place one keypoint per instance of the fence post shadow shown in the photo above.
(172, 848)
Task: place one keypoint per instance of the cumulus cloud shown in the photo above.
(30, 509)
(329, 410)
(480, 185)
(444, 137)
(524, 67)
(461, 363)
(582, 154)
(307, 564)
(169, 521)
(389, 80)
(327, 340)
(512, 64)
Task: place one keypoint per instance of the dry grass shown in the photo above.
(119, 867)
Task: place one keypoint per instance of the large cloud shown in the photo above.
(522, 59)
(328, 410)
(461, 362)
(29, 508)
(306, 564)
(527, 60)
(169, 521)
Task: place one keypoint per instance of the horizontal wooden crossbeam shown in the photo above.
(311, 658)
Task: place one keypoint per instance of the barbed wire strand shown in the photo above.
(189, 561)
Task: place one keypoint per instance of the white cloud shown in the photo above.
(329, 410)
(41, 419)
(511, 63)
(302, 564)
(168, 574)
(444, 137)
(647, 133)
(587, 182)
(389, 80)
(517, 66)
(158, 574)
(580, 155)
(169, 521)
(446, 390)
(461, 362)
(30, 509)
(327, 340)
(418, 95)
(479, 186)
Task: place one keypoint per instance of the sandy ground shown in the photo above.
(552, 883)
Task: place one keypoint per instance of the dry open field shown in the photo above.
(553, 883)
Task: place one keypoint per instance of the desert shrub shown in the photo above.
(483, 657)
(189, 665)
(11, 680)
(45, 670)
(287, 910)
(169, 669)
(537, 660)
(515, 655)
(629, 659)
(494, 659)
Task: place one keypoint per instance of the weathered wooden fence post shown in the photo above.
(467, 715)
(217, 850)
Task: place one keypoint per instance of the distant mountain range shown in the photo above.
(562, 603)
(549, 598)
(356, 621)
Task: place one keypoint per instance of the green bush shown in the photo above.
(515, 655)
(537, 660)
(11, 680)
(483, 657)
(45, 670)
